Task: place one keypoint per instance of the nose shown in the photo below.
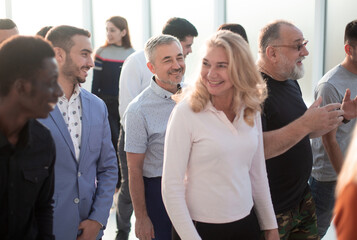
(212, 73)
(176, 65)
(304, 52)
(189, 50)
(90, 62)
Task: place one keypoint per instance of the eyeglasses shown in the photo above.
(297, 47)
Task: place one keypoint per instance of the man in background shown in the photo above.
(135, 77)
(329, 150)
(7, 29)
(145, 126)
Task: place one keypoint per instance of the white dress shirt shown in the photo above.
(135, 76)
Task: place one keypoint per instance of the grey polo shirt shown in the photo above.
(146, 119)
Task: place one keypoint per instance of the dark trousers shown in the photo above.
(112, 104)
(124, 206)
(156, 209)
(244, 229)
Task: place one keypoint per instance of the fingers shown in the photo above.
(332, 107)
(347, 96)
(81, 225)
(152, 233)
(145, 235)
(317, 102)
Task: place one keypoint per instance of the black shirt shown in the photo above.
(27, 184)
(289, 172)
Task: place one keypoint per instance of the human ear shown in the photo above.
(348, 49)
(123, 33)
(22, 86)
(151, 67)
(60, 54)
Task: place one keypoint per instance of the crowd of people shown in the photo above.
(236, 155)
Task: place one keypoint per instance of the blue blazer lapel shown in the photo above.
(86, 123)
(60, 123)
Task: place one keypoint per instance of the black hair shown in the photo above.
(351, 32)
(21, 57)
(43, 31)
(61, 36)
(180, 28)
(236, 28)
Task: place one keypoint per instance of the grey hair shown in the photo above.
(154, 42)
(270, 33)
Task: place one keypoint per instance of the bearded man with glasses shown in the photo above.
(288, 126)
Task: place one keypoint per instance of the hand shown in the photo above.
(323, 118)
(271, 234)
(90, 229)
(144, 230)
(349, 106)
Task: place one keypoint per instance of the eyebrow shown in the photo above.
(204, 59)
(86, 50)
(169, 57)
(299, 40)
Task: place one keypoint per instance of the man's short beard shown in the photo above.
(168, 82)
(295, 73)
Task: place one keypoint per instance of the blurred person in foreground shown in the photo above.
(346, 195)
(28, 90)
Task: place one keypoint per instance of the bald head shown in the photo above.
(7, 29)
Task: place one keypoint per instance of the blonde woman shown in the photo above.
(214, 168)
(346, 193)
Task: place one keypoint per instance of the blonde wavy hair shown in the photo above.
(249, 87)
(348, 173)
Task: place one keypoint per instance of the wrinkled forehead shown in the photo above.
(164, 50)
(290, 34)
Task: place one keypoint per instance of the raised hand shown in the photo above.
(349, 106)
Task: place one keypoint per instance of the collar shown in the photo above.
(159, 90)
(210, 107)
(24, 137)
(75, 94)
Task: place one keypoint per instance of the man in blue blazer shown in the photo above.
(86, 168)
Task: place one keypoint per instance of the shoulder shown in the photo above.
(129, 51)
(38, 127)
(40, 134)
(183, 109)
(138, 103)
(99, 51)
(94, 100)
(331, 74)
(184, 106)
(136, 57)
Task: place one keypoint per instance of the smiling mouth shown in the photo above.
(215, 83)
